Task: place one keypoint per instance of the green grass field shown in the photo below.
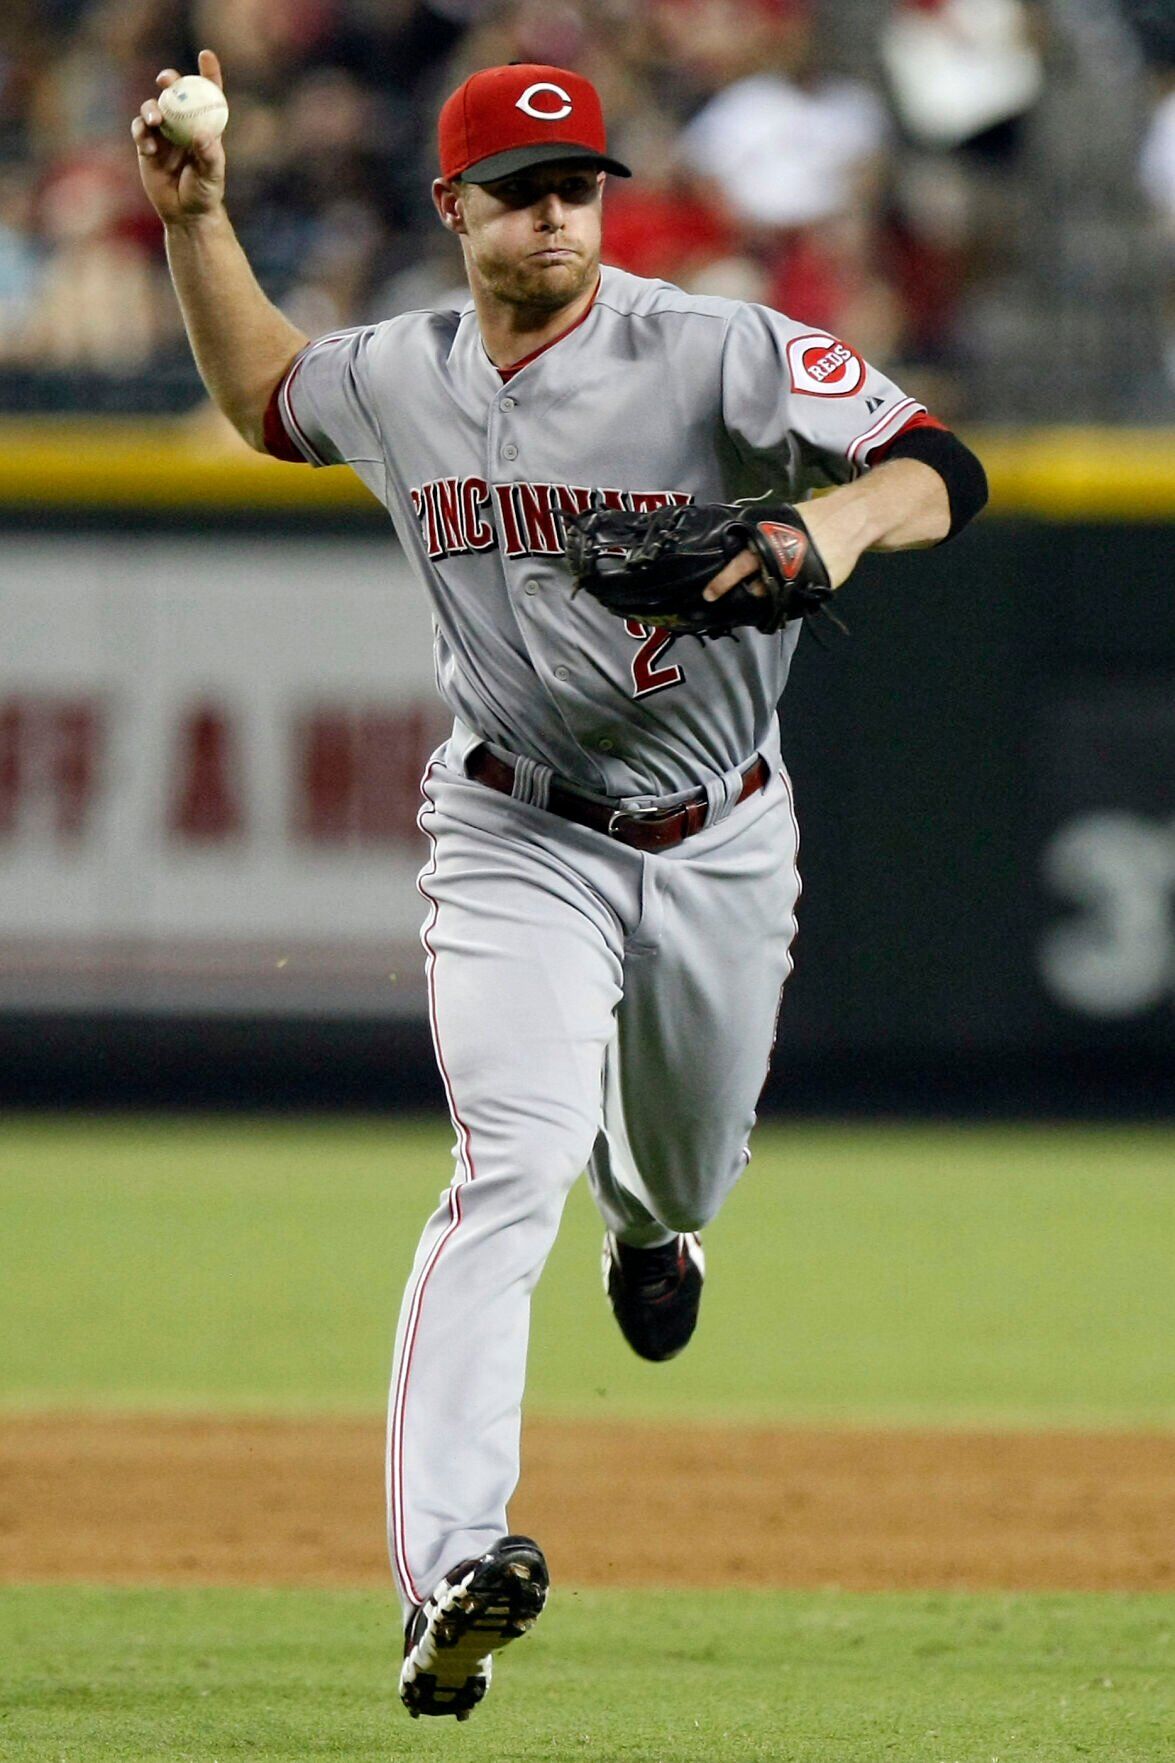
(905, 1274)
(1015, 1277)
(98, 1676)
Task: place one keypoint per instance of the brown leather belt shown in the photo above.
(652, 829)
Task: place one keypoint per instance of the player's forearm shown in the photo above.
(241, 342)
(897, 507)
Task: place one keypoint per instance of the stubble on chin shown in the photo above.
(545, 287)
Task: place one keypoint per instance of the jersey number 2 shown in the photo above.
(647, 677)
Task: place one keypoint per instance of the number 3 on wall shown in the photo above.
(647, 677)
(1116, 958)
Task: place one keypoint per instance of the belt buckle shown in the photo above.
(643, 816)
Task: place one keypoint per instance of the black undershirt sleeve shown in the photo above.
(956, 465)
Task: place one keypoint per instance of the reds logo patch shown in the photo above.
(824, 366)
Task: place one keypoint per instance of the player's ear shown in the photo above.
(448, 196)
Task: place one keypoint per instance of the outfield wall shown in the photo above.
(216, 701)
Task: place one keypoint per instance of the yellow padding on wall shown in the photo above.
(141, 465)
(194, 462)
(1080, 473)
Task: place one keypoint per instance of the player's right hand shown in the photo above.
(182, 182)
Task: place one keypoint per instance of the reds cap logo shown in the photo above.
(549, 112)
(824, 366)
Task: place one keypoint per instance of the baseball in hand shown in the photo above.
(192, 106)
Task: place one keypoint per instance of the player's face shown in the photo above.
(533, 240)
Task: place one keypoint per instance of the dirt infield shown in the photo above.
(171, 1501)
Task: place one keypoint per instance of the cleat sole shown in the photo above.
(447, 1668)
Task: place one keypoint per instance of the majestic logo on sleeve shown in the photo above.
(458, 515)
(824, 366)
(548, 112)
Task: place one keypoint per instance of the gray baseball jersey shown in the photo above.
(655, 396)
(592, 1005)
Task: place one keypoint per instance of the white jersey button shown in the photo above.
(509, 451)
(562, 673)
(532, 587)
(507, 403)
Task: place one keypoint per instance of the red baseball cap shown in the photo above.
(504, 119)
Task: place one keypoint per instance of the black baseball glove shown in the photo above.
(653, 567)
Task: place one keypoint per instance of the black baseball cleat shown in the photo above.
(479, 1607)
(655, 1293)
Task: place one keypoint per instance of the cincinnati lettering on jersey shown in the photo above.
(462, 514)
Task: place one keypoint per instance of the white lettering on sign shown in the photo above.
(1117, 958)
(527, 102)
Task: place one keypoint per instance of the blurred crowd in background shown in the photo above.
(980, 194)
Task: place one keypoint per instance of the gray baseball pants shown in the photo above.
(592, 1006)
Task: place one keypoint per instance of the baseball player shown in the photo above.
(611, 881)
